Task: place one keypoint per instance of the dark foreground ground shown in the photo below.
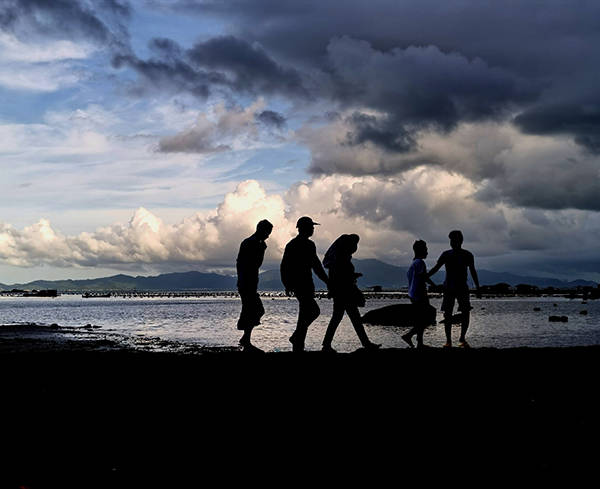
(85, 417)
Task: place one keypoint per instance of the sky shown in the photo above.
(150, 136)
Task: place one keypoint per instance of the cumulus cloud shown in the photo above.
(209, 238)
(388, 215)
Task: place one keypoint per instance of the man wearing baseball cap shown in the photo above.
(298, 262)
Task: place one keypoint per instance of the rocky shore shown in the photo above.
(82, 409)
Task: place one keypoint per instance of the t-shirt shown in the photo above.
(457, 262)
(249, 260)
(417, 274)
(299, 258)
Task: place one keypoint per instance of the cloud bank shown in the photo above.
(437, 62)
(388, 214)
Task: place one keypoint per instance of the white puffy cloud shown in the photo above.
(388, 215)
(209, 238)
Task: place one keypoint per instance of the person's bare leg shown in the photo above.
(464, 326)
(356, 320)
(448, 328)
(420, 331)
(245, 339)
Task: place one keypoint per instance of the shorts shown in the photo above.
(459, 295)
(421, 311)
(252, 310)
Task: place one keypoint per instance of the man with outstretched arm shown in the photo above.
(457, 261)
(298, 262)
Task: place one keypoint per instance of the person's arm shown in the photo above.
(284, 271)
(319, 270)
(437, 266)
(475, 278)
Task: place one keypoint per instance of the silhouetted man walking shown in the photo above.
(299, 260)
(249, 260)
(457, 262)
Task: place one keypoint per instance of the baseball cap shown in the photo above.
(306, 221)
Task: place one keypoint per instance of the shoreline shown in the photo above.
(34, 337)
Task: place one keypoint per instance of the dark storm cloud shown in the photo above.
(418, 87)
(172, 75)
(272, 119)
(252, 67)
(567, 184)
(580, 119)
(219, 63)
(549, 50)
(100, 21)
(525, 35)
(367, 128)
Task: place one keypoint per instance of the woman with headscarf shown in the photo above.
(342, 287)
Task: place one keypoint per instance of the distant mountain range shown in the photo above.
(167, 281)
(374, 272)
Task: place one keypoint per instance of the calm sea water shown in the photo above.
(211, 321)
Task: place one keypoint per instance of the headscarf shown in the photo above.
(342, 248)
